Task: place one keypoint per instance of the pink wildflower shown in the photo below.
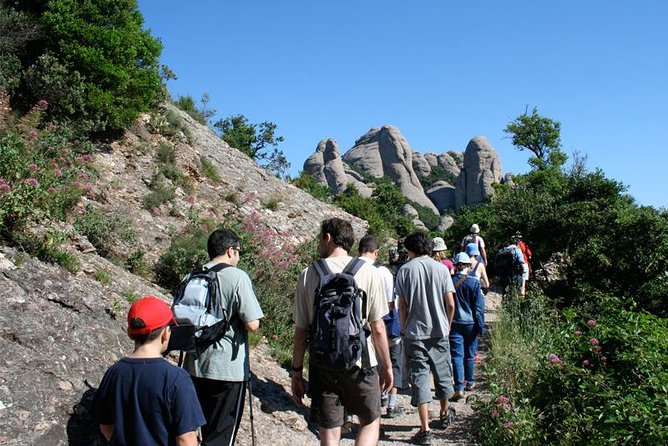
(555, 359)
(33, 133)
(64, 152)
(593, 341)
(604, 359)
(509, 425)
(586, 363)
(494, 413)
(4, 187)
(84, 176)
(591, 322)
(502, 399)
(578, 332)
(58, 172)
(88, 157)
(42, 103)
(191, 199)
(31, 181)
(33, 167)
(52, 190)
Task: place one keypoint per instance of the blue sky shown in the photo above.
(441, 71)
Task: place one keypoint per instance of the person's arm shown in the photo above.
(298, 351)
(107, 430)
(187, 439)
(402, 314)
(449, 306)
(383, 351)
(484, 280)
(479, 310)
(252, 325)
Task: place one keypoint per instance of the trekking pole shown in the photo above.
(250, 403)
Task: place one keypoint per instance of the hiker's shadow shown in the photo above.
(273, 397)
(81, 427)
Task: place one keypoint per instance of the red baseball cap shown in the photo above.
(148, 314)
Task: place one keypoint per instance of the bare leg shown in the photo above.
(423, 411)
(368, 433)
(330, 437)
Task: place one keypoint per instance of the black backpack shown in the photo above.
(337, 336)
(197, 309)
(506, 263)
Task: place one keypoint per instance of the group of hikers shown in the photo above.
(370, 330)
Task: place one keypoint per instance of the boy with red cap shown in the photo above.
(143, 399)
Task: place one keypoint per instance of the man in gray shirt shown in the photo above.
(426, 307)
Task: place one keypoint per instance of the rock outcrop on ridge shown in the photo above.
(384, 152)
(482, 168)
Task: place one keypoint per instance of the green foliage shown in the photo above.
(593, 375)
(103, 231)
(308, 183)
(200, 114)
(426, 216)
(43, 171)
(166, 153)
(539, 135)
(272, 202)
(161, 192)
(103, 276)
(209, 170)
(438, 173)
(186, 251)
(136, 263)
(49, 249)
(92, 61)
(256, 141)
(131, 296)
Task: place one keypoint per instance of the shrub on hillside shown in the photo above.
(594, 375)
(306, 182)
(103, 231)
(43, 172)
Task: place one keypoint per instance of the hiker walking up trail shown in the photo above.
(478, 268)
(474, 237)
(220, 372)
(467, 326)
(334, 383)
(509, 267)
(439, 253)
(368, 251)
(143, 399)
(426, 308)
(526, 255)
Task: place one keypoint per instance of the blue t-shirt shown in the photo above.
(149, 401)
(469, 301)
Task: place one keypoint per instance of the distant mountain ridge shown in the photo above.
(384, 152)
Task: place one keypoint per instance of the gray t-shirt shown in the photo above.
(422, 283)
(227, 360)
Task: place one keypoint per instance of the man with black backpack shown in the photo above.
(509, 268)
(338, 300)
(220, 372)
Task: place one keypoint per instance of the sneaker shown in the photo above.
(448, 418)
(470, 387)
(423, 437)
(458, 395)
(392, 412)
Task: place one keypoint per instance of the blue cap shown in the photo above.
(462, 257)
(472, 249)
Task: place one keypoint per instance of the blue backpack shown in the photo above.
(337, 335)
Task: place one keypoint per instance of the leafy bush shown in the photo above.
(186, 251)
(209, 170)
(92, 61)
(308, 183)
(103, 231)
(438, 173)
(103, 276)
(199, 114)
(161, 192)
(43, 171)
(594, 375)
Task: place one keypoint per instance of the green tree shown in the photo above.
(258, 141)
(539, 135)
(105, 66)
(200, 114)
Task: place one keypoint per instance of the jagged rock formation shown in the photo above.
(442, 194)
(481, 169)
(328, 169)
(421, 165)
(385, 152)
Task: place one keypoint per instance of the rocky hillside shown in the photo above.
(60, 331)
(384, 152)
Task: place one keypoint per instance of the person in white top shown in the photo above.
(477, 268)
(368, 251)
(474, 237)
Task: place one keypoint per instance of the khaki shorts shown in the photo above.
(331, 392)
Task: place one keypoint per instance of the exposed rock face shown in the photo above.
(59, 330)
(421, 165)
(481, 169)
(326, 166)
(446, 223)
(451, 162)
(442, 194)
(385, 152)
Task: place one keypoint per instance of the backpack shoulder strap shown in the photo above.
(322, 269)
(353, 266)
(218, 267)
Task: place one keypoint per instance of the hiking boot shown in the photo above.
(392, 412)
(470, 387)
(458, 395)
(423, 437)
(448, 418)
